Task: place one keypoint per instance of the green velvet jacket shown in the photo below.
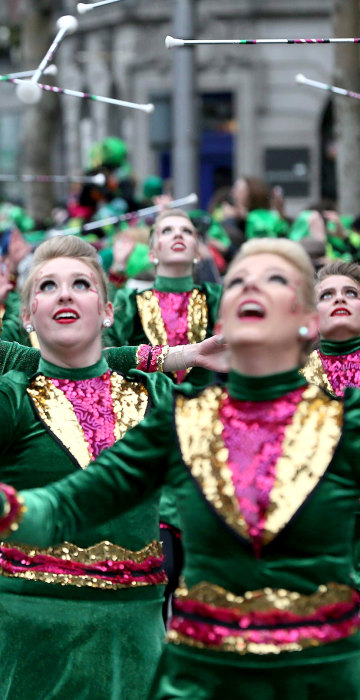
(138, 318)
(308, 546)
(41, 441)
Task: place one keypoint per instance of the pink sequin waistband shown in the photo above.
(103, 565)
(266, 621)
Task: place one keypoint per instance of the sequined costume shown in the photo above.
(175, 312)
(268, 495)
(82, 619)
(335, 365)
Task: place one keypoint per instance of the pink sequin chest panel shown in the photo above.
(342, 370)
(253, 433)
(174, 312)
(93, 406)
(174, 308)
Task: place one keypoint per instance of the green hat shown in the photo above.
(153, 186)
(262, 223)
(12, 215)
(111, 152)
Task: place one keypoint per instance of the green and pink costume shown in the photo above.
(268, 606)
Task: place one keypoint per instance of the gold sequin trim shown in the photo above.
(197, 317)
(314, 372)
(162, 357)
(307, 450)
(153, 324)
(263, 600)
(239, 645)
(102, 551)
(267, 599)
(130, 401)
(57, 412)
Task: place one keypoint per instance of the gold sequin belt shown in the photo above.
(104, 565)
(265, 621)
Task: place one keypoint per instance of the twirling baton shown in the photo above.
(300, 78)
(98, 179)
(50, 70)
(29, 91)
(171, 42)
(147, 211)
(82, 7)
(86, 96)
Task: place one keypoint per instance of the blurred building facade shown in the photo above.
(253, 118)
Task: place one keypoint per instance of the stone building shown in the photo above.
(252, 116)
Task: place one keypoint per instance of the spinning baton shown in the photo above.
(82, 7)
(171, 42)
(50, 70)
(300, 78)
(98, 179)
(86, 96)
(147, 211)
(29, 90)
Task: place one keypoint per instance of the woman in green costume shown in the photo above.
(335, 364)
(176, 311)
(82, 619)
(267, 607)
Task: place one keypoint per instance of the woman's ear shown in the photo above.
(109, 312)
(26, 318)
(312, 323)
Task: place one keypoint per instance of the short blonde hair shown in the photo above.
(290, 251)
(63, 247)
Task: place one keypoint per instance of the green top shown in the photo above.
(178, 443)
(38, 445)
(339, 347)
(174, 284)
(130, 328)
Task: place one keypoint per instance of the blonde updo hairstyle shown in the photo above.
(339, 267)
(165, 215)
(296, 256)
(63, 247)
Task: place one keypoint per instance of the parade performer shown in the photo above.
(267, 608)
(335, 365)
(85, 617)
(176, 311)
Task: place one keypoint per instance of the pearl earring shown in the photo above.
(303, 331)
(29, 328)
(106, 323)
(155, 261)
(195, 261)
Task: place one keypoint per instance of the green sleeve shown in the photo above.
(125, 311)
(15, 356)
(121, 359)
(12, 387)
(213, 293)
(12, 328)
(121, 478)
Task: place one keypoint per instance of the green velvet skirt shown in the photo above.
(185, 674)
(71, 649)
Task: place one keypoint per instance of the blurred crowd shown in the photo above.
(107, 215)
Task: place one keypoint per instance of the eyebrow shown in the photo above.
(73, 275)
(333, 289)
